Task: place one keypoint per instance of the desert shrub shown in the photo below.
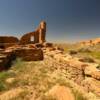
(4, 75)
(84, 50)
(13, 84)
(18, 65)
(78, 95)
(61, 49)
(72, 52)
(24, 82)
(98, 67)
(87, 59)
(63, 82)
(95, 54)
(2, 86)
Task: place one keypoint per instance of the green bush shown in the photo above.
(87, 59)
(95, 54)
(18, 65)
(98, 67)
(4, 75)
(78, 95)
(2, 86)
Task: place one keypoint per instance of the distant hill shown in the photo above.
(91, 42)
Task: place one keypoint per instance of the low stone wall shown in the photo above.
(75, 74)
(87, 75)
(29, 54)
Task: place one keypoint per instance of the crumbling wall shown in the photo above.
(26, 39)
(7, 41)
(42, 32)
(26, 52)
(39, 35)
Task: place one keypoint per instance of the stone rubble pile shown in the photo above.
(27, 53)
(85, 74)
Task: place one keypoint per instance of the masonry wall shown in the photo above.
(6, 41)
(39, 35)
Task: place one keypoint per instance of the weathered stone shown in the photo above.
(76, 63)
(29, 54)
(96, 75)
(92, 71)
(8, 39)
(92, 84)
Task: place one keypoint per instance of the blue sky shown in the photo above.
(67, 20)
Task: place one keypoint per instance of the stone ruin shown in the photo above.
(38, 36)
(28, 47)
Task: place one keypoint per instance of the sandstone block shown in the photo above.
(29, 54)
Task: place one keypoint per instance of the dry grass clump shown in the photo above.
(3, 76)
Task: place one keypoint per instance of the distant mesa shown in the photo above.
(90, 42)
